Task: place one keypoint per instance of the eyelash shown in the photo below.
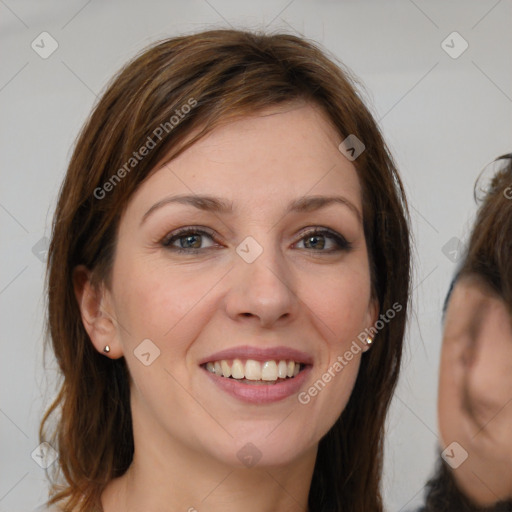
(343, 244)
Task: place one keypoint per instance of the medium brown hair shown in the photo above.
(228, 74)
(489, 250)
(489, 253)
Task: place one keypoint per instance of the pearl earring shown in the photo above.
(106, 349)
(369, 340)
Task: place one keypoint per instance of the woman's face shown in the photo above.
(229, 258)
(475, 391)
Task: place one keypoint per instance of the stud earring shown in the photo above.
(106, 349)
(369, 340)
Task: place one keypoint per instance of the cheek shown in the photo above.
(153, 303)
(327, 396)
(339, 303)
(339, 308)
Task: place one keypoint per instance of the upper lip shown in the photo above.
(260, 354)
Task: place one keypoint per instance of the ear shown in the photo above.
(97, 313)
(371, 318)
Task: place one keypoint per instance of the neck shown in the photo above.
(193, 486)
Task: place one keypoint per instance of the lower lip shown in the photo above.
(260, 393)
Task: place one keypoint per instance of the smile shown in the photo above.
(251, 371)
(258, 375)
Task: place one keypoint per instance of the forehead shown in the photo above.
(281, 152)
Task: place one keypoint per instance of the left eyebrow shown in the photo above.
(313, 203)
(215, 204)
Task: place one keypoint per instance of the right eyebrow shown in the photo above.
(206, 203)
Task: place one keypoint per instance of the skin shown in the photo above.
(187, 432)
(475, 390)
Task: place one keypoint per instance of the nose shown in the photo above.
(262, 291)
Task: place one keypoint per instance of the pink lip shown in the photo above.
(260, 354)
(260, 393)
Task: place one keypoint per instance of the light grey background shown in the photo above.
(444, 119)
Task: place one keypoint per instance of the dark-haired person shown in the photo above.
(475, 386)
(230, 225)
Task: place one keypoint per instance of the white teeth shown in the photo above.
(268, 371)
(281, 369)
(252, 370)
(237, 369)
(226, 369)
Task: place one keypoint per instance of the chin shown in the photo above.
(255, 448)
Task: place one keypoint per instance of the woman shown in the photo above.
(475, 387)
(231, 235)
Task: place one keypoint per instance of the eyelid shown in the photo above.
(342, 243)
(187, 229)
(319, 229)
